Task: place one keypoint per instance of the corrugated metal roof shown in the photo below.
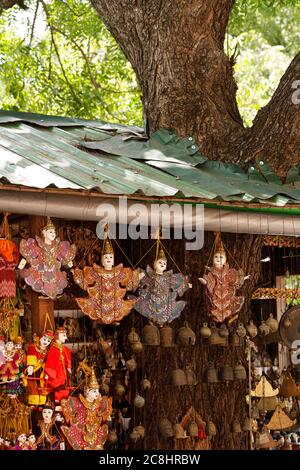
(41, 151)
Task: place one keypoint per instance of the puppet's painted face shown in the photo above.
(31, 439)
(45, 341)
(49, 235)
(92, 394)
(160, 266)
(22, 438)
(107, 261)
(47, 414)
(9, 346)
(219, 259)
(62, 337)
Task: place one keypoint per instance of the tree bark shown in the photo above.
(187, 80)
(6, 4)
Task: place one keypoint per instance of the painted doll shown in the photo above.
(106, 286)
(158, 292)
(46, 256)
(222, 283)
(58, 366)
(87, 415)
(35, 369)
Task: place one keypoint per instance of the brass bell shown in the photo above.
(137, 347)
(251, 329)
(119, 389)
(193, 429)
(104, 389)
(264, 329)
(246, 426)
(205, 331)
(165, 428)
(166, 336)
(211, 429)
(240, 372)
(211, 375)
(140, 430)
(236, 427)
(134, 435)
(226, 373)
(139, 401)
(151, 336)
(145, 384)
(133, 337)
(190, 376)
(131, 364)
(185, 336)
(178, 377)
(272, 323)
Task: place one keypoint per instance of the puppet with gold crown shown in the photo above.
(222, 283)
(86, 416)
(106, 286)
(46, 256)
(158, 291)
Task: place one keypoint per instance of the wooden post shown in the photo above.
(42, 308)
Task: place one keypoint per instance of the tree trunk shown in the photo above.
(187, 83)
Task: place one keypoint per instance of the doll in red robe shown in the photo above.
(58, 366)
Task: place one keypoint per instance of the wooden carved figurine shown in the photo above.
(158, 292)
(106, 286)
(222, 283)
(46, 256)
(86, 416)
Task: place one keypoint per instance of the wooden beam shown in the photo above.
(42, 308)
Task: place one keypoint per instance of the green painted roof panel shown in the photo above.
(39, 151)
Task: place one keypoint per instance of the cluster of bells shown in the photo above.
(119, 391)
(176, 431)
(225, 373)
(137, 433)
(164, 336)
(221, 336)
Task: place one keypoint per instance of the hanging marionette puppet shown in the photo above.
(159, 289)
(106, 286)
(222, 283)
(46, 256)
(9, 256)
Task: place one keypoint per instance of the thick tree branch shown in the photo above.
(176, 50)
(6, 4)
(275, 134)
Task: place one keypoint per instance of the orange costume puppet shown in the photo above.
(34, 372)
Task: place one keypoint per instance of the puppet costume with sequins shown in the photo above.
(44, 274)
(87, 429)
(106, 290)
(157, 295)
(9, 256)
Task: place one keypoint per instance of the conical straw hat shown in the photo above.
(280, 420)
(264, 389)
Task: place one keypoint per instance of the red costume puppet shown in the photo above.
(58, 366)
